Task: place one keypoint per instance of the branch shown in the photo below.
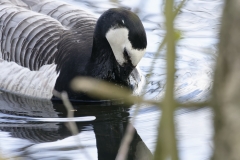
(72, 125)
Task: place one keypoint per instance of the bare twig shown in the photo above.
(123, 150)
(112, 91)
(72, 125)
(101, 89)
(162, 44)
(176, 12)
(127, 139)
(193, 104)
(166, 144)
(1, 158)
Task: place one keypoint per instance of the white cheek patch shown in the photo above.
(118, 40)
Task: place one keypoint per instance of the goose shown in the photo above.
(45, 44)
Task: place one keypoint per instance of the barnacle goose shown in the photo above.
(46, 43)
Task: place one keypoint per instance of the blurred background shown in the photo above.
(34, 129)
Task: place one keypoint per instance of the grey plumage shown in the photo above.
(32, 30)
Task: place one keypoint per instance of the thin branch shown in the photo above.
(123, 150)
(150, 71)
(194, 104)
(125, 143)
(72, 125)
(166, 144)
(101, 89)
(176, 12)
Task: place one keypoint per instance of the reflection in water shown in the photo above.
(109, 126)
(39, 138)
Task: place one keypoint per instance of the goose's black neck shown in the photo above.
(87, 51)
(102, 63)
(97, 61)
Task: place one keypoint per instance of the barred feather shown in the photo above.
(36, 38)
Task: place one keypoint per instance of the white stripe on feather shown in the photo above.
(20, 80)
(39, 84)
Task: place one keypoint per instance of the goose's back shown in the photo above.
(36, 38)
(31, 31)
(30, 34)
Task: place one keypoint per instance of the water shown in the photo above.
(35, 129)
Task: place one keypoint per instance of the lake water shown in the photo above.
(35, 129)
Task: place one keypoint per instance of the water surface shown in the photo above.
(36, 129)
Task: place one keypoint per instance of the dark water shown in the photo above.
(35, 129)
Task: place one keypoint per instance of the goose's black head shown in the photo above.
(118, 44)
(122, 31)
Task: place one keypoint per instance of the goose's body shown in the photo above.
(45, 44)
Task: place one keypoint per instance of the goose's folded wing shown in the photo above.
(28, 38)
(68, 15)
(32, 30)
(34, 35)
